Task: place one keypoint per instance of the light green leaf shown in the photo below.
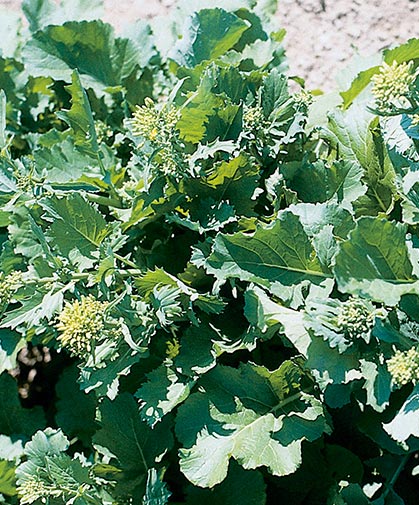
(377, 384)
(405, 423)
(78, 228)
(80, 118)
(7, 478)
(41, 13)
(280, 252)
(207, 35)
(358, 138)
(162, 392)
(243, 414)
(102, 60)
(374, 261)
(270, 317)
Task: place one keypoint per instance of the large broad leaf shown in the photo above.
(357, 137)
(341, 182)
(269, 318)
(207, 35)
(89, 46)
(135, 445)
(405, 423)
(250, 414)
(80, 118)
(78, 228)
(14, 419)
(278, 252)
(41, 13)
(374, 261)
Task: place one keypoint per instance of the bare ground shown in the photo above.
(322, 35)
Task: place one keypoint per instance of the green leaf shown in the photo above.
(358, 139)
(41, 13)
(80, 118)
(162, 392)
(374, 261)
(405, 423)
(243, 414)
(207, 35)
(102, 60)
(2, 120)
(274, 92)
(14, 419)
(280, 252)
(10, 345)
(47, 463)
(340, 183)
(377, 384)
(135, 445)
(75, 409)
(78, 228)
(405, 52)
(270, 317)
(7, 478)
(156, 491)
(240, 487)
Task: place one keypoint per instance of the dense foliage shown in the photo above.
(222, 267)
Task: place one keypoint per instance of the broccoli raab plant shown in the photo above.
(222, 266)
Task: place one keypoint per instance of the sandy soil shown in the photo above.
(322, 35)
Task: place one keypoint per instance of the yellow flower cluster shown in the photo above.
(414, 119)
(8, 285)
(31, 490)
(404, 367)
(355, 318)
(392, 84)
(81, 323)
(253, 118)
(151, 123)
(159, 127)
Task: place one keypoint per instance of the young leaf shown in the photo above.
(207, 35)
(80, 118)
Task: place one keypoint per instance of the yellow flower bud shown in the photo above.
(404, 367)
(81, 324)
(392, 84)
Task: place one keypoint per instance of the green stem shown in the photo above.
(396, 474)
(127, 262)
(129, 272)
(103, 200)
